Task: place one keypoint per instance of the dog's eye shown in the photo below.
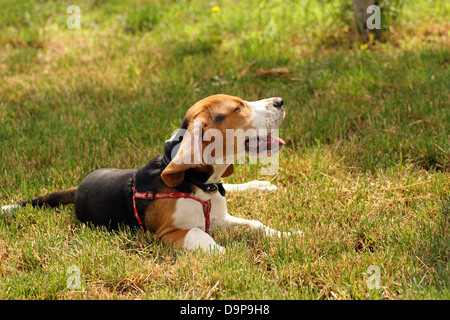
(239, 107)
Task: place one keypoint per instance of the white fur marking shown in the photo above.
(265, 115)
(188, 214)
(198, 239)
(9, 209)
(260, 186)
(231, 221)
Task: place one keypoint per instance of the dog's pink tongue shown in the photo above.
(281, 141)
(275, 140)
(268, 142)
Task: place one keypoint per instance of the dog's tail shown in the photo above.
(52, 200)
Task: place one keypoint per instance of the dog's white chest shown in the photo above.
(189, 213)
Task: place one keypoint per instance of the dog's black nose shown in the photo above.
(278, 103)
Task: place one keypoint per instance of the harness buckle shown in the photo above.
(149, 195)
(211, 188)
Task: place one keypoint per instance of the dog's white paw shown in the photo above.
(280, 234)
(260, 186)
(218, 250)
(295, 234)
(213, 249)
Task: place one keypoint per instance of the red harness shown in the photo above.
(150, 195)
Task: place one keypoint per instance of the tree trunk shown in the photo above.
(361, 16)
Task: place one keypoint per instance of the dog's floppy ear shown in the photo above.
(228, 172)
(188, 155)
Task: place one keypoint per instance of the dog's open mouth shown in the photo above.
(259, 144)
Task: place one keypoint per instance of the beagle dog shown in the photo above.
(179, 195)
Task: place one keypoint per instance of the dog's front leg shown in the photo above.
(193, 239)
(260, 186)
(231, 221)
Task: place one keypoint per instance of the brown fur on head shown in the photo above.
(219, 112)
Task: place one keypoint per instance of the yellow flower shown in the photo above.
(215, 9)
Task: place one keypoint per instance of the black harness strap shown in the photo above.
(207, 187)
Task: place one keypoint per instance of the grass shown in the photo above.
(365, 173)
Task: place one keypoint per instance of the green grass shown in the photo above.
(365, 172)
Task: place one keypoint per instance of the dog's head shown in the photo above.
(218, 130)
